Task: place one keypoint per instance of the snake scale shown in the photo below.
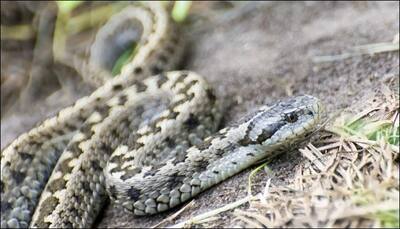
(146, 138)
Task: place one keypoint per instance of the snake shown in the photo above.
(147, 139)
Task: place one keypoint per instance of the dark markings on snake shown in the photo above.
(86, 186)
(102, 109)
(170, 49)
(138, 70)
(138, 145)
(96, 166)
(133, 193)
(175, 179)
(140, 86)
(180, 78)
(170, 142)
(246, 141)
(139, 109)
(69, 126)
(25, 156)
(18, 176)
(5, 206)
(192, 122)
(201, 165)
(122, 99)
(86, 130)
(117, 87)
(57, 184)
(131, 172)
(64, 165)
(68, 225)
(179, 102)
(188, 86)
(155, 69)
(190, 96)
(149, 173)
(204, 145)
(211, 96)
(163, 59)
(219, 153)
(59, 132)
(179, 158)
(161, 79)
(113, 191)
(264, 136)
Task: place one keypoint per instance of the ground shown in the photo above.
(256, 53)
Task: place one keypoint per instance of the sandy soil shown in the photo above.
(256, 53)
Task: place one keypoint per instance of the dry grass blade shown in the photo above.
(201, 217)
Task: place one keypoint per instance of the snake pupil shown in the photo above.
(291, 117)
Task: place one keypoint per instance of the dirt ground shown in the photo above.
(256, 53)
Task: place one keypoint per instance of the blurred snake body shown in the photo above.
(147, 143)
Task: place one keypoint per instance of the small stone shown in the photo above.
(185, 188)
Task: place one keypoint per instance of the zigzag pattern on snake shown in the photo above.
(146, 142)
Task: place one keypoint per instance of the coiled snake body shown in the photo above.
(146, 143)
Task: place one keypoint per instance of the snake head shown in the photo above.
(286, 122)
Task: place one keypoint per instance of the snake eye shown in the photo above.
(291, 117)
